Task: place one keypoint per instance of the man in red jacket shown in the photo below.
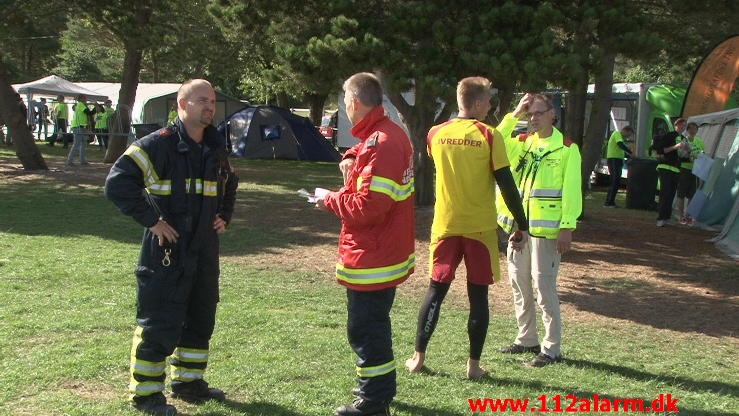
(377, 241)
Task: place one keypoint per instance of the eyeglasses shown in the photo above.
(538, 113)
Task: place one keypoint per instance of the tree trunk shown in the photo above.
(25, 147)
(577, 92)
(316, 107)
(126, 97)
(505, 97)
(283, 100)
(596, 132)
(575, 116)
(419, 119)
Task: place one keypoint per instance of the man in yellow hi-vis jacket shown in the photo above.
(546, 168)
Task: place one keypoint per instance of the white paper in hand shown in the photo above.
(321, 193)
(312, 198)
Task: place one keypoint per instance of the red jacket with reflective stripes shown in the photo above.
(376, 207)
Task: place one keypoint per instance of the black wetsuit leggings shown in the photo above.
(477, 323)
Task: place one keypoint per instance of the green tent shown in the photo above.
(720, 131)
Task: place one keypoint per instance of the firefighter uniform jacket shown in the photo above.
(547, 174)
(376, 206)
(177, 175)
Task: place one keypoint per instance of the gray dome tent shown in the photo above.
(268, 132)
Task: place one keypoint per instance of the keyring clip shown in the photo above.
(166, 261)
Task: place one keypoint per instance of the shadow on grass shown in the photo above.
(263, 221)
(253, 408)
(694, 282)
(717, 387)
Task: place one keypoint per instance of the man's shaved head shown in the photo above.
(196, 102)
(188, 86)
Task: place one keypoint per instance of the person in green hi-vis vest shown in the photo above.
(102, 123)
(59, 114)
(688, 183)
(615, 154)
(80, 126)
(172, 114)
(667, 146)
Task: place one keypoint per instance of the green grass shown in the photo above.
(67, 300)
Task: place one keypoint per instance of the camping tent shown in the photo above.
(720, 131)
(268, 132)
(53, 86)
(153, 101)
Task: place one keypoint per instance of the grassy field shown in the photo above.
(67, 302)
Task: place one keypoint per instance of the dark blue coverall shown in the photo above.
(168, 175)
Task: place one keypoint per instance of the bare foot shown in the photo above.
(415, 363)
(474, 370)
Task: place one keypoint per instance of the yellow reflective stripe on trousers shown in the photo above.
(145, 388)
(143, 367)
(153, 184)
(186, 374)
(191, 355)
(391, 188)
(147, 368)
(377, 274)
(377, 370)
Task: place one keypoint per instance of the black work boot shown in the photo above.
(196, 392)
(364, 407)
(156, 404)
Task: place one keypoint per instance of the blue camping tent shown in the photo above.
(268, 132)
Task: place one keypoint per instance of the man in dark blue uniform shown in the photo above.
(178, 183)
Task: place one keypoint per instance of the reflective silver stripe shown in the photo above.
(184, 354)
(402, 269)
(187, 374)
(151, 369)
(210, 190)
(505, 220)
(143, 161)
(395, 191)
(547, 193)
(376, 371)
(160, 187)
(148, 387)
(544, 223)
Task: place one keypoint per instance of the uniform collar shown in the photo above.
(366, 125)
(553, 142)
(211, 137)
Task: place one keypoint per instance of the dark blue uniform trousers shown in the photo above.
(370, 335)
(176, 309)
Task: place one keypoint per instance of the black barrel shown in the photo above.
(642, 186)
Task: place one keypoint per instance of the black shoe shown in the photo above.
(196, 392)
(156, 404)
(364, 407)
(542, 360)
(520, 349)
(356, 391)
